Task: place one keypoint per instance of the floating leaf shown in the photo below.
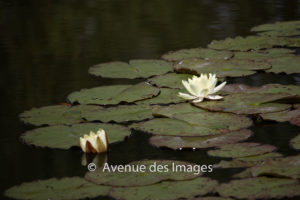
(282, 116)
(295, 142)
(64, 137)
(114, 94)
(171, 80)
(288, 65)
(222, 68)
(170, 110)
(58, 189)
(135, 69)
(259, 188)
(200, 142)
(262, 55)
(253, 42)
(209, 198)
(241, 150)
(166, 190)
(136, 177)
(202, 53)
(121, 113)
(288, 28)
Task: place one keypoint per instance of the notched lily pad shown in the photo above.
(200, 142)
(288, 28)
(259, 188)
(166, 190)
(64, 137)
(135, 69)
(58, 189)
(171, 110)
(128, 179)
(295, 142)
(241, 150)
(170, 80)
(114, 94)
(202, 53)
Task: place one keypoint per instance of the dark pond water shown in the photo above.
(46, 48)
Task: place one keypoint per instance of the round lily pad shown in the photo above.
(241, 150)
(253, 42)
(287, 167)
(121, 113)
(202, 53)
(170, 80)
(171, 110)
(114, 94)
(222, 68)
(288, 28)
(295, 142)
(200, 142)
(288, 65)
(259, 188)
(262, 55)
(148, 176)
(64, 137)
(166, 190)
(57, 114)
(58, 189)
(135, 69)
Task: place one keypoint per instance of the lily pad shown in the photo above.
(249, 161)
(259, 188)
(135, 69)
(247, 103)
(202, 53)
(282, 116)
(288, 65)
(295, 142)
(171, 80)
(287, 167)
(121, 113)
(288, 28)
(241, 150)
(166, 190)
(141, 178)
(210, 198)
(200, 142)
(57, 114)
(262, 55)
(171, 110)
(114, 94)
(253, 42)
(222, 68)
(58, 189)
(194, 124)
(64, 137)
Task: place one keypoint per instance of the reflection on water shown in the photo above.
(46, 48)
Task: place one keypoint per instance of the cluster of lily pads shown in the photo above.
(153, 106)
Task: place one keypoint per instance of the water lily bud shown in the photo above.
(94, 143)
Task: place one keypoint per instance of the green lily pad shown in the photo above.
(171, 110)
(253, 42)
(135, 69)
(288, 65)
(166, 190)
(262, 55)
(194, 124)
(58, 189)
(64, 137)
(249, 161)
(121, 113)
(210, 198)
(288, 28)
(241, 150)
(295, 142)
(57, 114)
(259, 188)
(202, 53)
(114, 94)
(247, 103)
(287, 167)
(222, 68)
(282, 116)
(166, 96)
(200, 142)
(102, 176)
(171, 80)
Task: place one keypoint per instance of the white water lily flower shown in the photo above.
(94, 143)
(202, 87)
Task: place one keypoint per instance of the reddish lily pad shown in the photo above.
(171, 80)
(295, 142)
(200, 142)
(241, 150)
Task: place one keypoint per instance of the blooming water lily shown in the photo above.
(202, 87)
(95, 142)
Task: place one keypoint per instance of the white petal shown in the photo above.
(188, 87)
(82, 143)
(214, 97)
(219, 87)
(186, 96)
(199, 99)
